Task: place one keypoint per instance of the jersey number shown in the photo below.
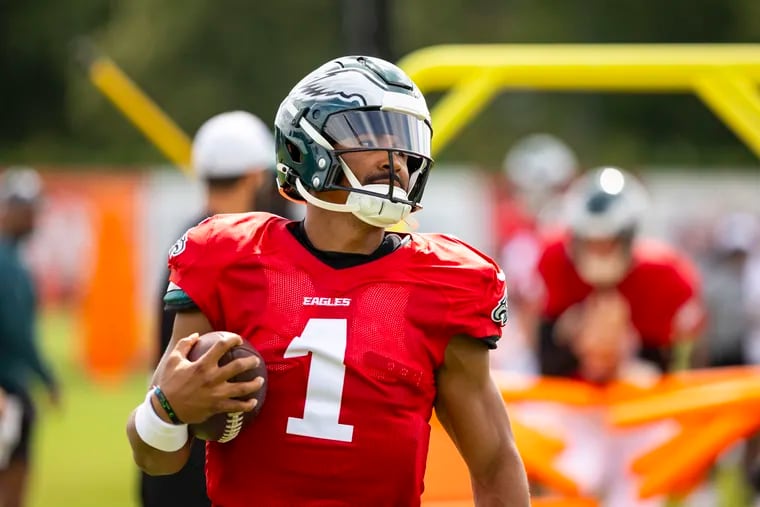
(325, 339)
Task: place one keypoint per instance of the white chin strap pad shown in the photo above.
(376, 210)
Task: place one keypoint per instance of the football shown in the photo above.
(226, 426)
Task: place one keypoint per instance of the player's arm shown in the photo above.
(472, 411)
(147, 458)
(195, 390)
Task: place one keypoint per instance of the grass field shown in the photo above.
(82, 458)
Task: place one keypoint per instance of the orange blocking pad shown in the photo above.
(700, 392)
(535, 502)
(677, 464)
(109, 307)
(446, 475)
(87, 258)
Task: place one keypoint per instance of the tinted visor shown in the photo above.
(384, 130)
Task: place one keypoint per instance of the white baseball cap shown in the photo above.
(232, 144)
(20, 184)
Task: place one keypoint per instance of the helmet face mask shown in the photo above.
(349, 105)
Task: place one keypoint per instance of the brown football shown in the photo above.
(226, 426)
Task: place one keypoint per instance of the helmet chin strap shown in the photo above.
(371, 209)
(319, 203)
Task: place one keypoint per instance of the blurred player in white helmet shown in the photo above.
(614, 306)
(540, 166)
(538, 169)
(600, 258)
(233, 156)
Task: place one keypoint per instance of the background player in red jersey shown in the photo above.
(609, 295)
(538, 170)
(352, 386)
(614, 307)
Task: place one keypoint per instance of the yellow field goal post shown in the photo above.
(723, 76)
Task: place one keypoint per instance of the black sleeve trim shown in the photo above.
(189, 307)
(489, 341)
(178, 301)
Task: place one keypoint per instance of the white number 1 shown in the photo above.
(326, 340)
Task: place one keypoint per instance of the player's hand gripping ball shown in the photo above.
(224, 427)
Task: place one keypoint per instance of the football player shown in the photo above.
(610, 295)
(364, 332)
(537, 169)
(615, 306)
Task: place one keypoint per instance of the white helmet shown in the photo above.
(540, 163)
(606, 202)
(231, 144)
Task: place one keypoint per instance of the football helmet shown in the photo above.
(540, 163)
(605, 203)
(604, 209)
(350, 104)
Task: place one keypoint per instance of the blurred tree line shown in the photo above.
(197, 58)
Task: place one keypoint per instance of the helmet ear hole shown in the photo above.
(294, 152)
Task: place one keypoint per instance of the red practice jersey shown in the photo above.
(351, 356)
(662, 289)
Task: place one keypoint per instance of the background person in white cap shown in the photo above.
(233, 155)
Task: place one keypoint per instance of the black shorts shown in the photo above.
(186, 488)
(22, 449)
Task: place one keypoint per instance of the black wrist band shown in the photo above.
(166, 406)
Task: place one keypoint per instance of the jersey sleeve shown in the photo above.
(194, 265)
(478, 306)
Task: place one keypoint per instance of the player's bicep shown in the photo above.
(470, 407)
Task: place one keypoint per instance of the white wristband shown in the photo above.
(156, 432)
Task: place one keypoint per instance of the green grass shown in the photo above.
(81, 455)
